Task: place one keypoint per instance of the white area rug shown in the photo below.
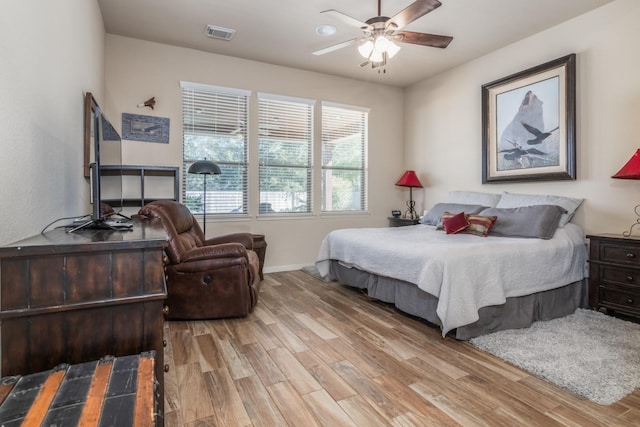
(588, 353)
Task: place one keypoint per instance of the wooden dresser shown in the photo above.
(614, 274)
(76, 297)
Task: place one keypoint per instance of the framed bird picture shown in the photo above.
(136, 127)
(529, 124)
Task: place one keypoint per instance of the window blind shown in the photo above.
(344, 158)
(214, 127)
(285, 154)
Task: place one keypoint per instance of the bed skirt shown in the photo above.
(517, 312)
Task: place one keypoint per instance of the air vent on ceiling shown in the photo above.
(219, 32)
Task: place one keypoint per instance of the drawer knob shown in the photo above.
(631, 256)
(165, 310)
(629, 300)
(166, 367)
(629, 278)
(164, 343)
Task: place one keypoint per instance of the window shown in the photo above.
(285, 153)
(344, 158)
(214, 125)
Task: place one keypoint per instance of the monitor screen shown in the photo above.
(105, 168)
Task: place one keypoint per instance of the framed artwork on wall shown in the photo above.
(136, 127)
(529, 124)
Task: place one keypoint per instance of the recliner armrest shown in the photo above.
(224, 250)
(242, 238)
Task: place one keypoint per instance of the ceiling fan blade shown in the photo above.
(346, 18)
(412, 12)
(423, 39)
(336, 46)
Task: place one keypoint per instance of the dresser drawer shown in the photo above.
(619, 299)
(624, 275)
(620, 253)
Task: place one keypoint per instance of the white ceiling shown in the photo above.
(282, 32)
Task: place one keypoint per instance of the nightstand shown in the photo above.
(614, 274)
(401, 222)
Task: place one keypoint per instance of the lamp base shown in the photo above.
(411, 212)
(628, 233)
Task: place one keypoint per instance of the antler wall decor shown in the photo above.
(148, 103)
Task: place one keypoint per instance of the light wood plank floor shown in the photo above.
(318, 354)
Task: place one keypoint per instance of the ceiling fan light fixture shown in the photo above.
(376, 56)
(381, 44)
(366, 48)
(392, 49)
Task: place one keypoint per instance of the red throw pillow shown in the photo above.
(454, 223)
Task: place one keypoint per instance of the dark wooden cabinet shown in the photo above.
(75, 297)
(614, 274)
(401, 222)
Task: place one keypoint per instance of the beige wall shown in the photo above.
(50, 54)
(137, 70)
(443, 116)
(48, 64)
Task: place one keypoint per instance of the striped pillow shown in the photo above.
(479, 225)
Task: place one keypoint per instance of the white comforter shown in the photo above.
(465, 272)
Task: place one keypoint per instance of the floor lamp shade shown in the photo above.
(204, 167)
(410, 179)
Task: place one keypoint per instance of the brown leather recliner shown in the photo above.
(206, 279)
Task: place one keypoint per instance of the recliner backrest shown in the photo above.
(183, 230)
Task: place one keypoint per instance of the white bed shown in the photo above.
(462, 282)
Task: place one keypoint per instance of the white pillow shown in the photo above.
(513, 200)
(489, 200)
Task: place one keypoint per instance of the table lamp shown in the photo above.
(631, 170)
(409, 179)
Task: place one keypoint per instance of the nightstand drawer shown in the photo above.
(620, 275)
(616, 298)
(620, 253)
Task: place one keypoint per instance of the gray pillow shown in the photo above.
(515, 200)
(538, 221)
(433, 215)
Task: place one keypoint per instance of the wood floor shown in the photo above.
(318, 354)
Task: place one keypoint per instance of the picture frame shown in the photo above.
(136, 127)
(529, 124)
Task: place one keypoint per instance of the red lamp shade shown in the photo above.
(631, 170)
(409, 179)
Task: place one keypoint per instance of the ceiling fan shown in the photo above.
(381, 33)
